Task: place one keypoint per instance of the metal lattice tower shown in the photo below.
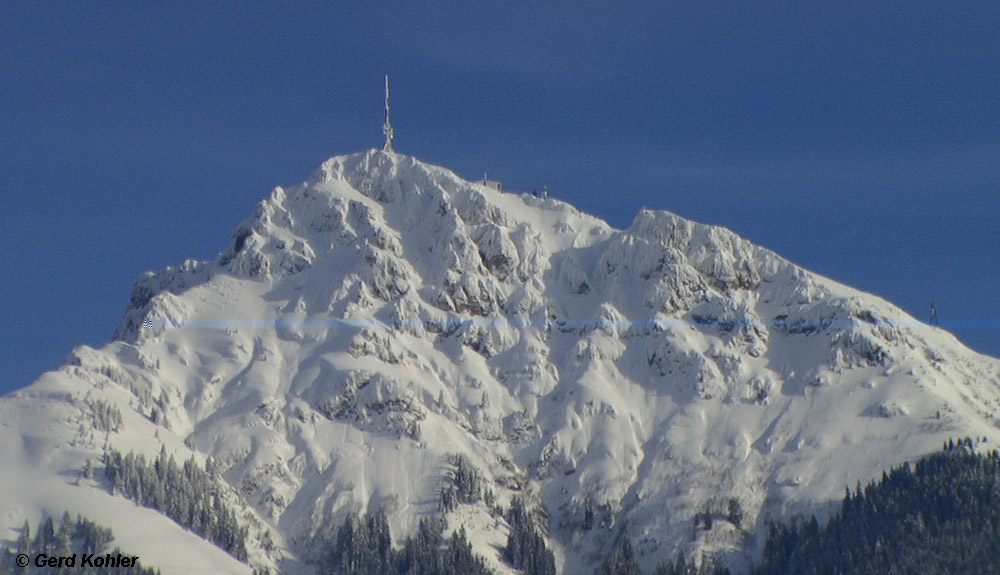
(387, 127)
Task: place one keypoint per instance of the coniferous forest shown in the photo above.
(364, 547)
(938, 517)
(185, 493)
(81, 537)
(525, 547)
(624, 562)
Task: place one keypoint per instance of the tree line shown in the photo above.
(364, 547)
(623, 561)
(938, 517)
(185, 493)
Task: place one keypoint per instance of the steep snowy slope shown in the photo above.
(384, 315)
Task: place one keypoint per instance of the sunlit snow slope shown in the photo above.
(385, 314)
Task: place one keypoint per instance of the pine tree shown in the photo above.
(24, 539)
(735, 512)
(64, 537)
(622, 562)
(525, 549)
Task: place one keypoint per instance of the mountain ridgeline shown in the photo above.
(484, 379)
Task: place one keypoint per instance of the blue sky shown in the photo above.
(858, 139)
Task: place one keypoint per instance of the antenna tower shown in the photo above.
(387, 127)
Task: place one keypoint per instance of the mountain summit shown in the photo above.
(384, 329)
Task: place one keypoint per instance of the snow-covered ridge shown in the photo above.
(385, 314)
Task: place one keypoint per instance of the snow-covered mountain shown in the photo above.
(369, 324)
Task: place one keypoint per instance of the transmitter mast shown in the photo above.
(387, 127)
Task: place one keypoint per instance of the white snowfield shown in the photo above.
(385, 314)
